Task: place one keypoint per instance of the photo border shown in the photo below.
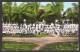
(0, 25)
(36, 1)
(41, 0)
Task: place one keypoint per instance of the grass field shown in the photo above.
(30, 46)
(62, 46)
(25, 35)
(18, 46)
(47, 43)
(36, 35)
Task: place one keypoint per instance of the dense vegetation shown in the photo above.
(34, 12)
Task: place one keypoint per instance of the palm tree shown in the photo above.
(7, 11)
(53, 11)
(32, 12)
(72, 13)
(17, 13)
(75, 11)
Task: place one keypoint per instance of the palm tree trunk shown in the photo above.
(36, 9)
(10, 12)
(10, 15)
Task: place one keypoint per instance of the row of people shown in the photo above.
(37, 28)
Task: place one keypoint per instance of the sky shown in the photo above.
(66, 4)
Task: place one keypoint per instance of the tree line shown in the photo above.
(34, 12)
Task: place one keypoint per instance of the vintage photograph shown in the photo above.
(34, 26)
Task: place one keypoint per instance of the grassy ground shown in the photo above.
(61, 46)
(36, 35)
(30, 46)
(18, 46)
(41, 35)
(25, 35)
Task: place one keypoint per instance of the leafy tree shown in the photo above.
(72, 13)
(34, 12)
(7, 11)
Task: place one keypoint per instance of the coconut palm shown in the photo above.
(7, 11)
(53, 11)
(30, 11)
(72, 13)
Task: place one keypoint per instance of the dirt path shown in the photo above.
(40, 41)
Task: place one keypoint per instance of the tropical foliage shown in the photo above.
(34, 12)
